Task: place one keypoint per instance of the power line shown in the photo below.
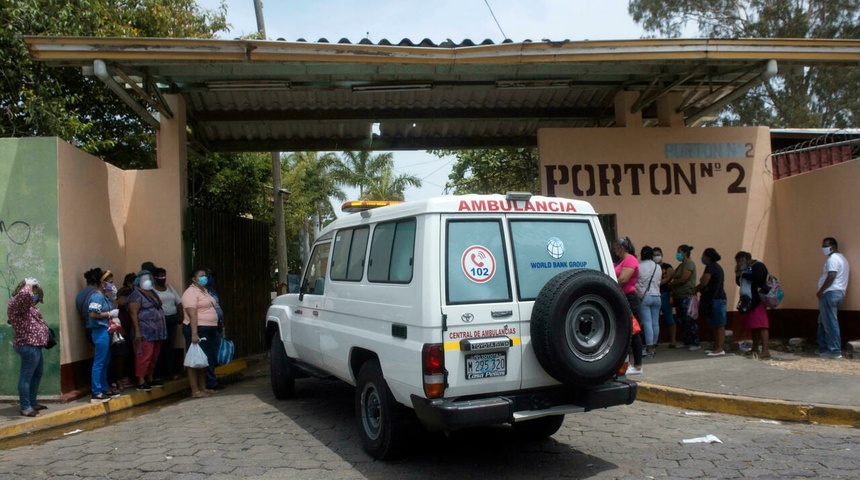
(495, 19)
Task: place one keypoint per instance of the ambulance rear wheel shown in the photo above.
(580, 327)
(383, 424)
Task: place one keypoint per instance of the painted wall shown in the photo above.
(705, 187)
(28, 245)
(809, 207)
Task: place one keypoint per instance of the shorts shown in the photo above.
(717, 317)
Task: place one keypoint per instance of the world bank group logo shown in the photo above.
(555, 247)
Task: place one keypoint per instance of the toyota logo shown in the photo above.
(467, 317)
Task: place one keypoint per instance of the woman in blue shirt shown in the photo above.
(100, 310)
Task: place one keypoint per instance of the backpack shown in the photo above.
(774, 294)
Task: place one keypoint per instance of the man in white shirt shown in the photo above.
(831, 293)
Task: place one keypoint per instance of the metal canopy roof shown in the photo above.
(294, 96)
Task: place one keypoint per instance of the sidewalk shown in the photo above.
(739, 385)
(690, 380)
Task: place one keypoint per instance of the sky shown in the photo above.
(437, 20)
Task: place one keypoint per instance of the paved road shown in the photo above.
(243, 432)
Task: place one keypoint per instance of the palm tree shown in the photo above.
(386, 186)
(359, 169)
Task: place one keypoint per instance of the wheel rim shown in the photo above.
(371, 411)
(588, 327)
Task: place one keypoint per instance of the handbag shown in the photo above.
(196, 357)
(693, 309)
(636, 328)
(226, 351)
(52, 338)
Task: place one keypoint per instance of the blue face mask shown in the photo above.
(679, 257)
(36, 298)
(203, 280)
(703, 261)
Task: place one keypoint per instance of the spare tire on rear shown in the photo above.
(581, 327)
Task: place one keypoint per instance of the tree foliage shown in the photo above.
(493, 170)
(818, 97)
(235, 183)
(37, 100)
(389, 186)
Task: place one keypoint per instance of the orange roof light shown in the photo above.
(362, 205)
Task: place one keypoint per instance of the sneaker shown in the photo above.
(144, 387)
(631, 370)
(820, 352)
(693, 348)
(100, 398)
(216, 387)
(156, 384)
(717, 354)
(832, 356)
(113, 394)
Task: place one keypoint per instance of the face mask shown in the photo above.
(146, 284)
(703, 261)
(109, 287)
(679, 257)
(161, 282)
(203, 280)
(36, 298)
(658, 259)
(826, 251)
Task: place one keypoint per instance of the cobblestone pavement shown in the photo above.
(243, 432)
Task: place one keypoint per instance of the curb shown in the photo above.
(749, 406)
(92, 410)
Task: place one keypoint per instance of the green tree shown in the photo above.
(388, 186)
(37, 100)
(235, 183)
(493, 170)
(820, 97)
(359, 169)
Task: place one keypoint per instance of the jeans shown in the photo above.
(210, 348)
(650, 318)
(689, 327)
(30, 376)
(666, 308)
(828, 323)
(101, 340)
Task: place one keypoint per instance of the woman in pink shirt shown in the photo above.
(627, 272)
(30, 335)
(200, 326)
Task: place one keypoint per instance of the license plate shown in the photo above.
(484, 365)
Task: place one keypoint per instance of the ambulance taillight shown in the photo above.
(433, 366)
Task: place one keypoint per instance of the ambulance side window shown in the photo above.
(392, 251)
(475, 266)
(314, 281)
(350, 246)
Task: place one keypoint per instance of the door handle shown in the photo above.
(501, 313)
(297, 312)
(316, 313)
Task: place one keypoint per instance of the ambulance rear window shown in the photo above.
(545, 248)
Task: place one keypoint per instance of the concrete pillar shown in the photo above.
(623, 116)
(667, 111)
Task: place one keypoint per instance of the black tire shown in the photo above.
(539, 428)
(281, 370)
(581, 327)
(383, 424)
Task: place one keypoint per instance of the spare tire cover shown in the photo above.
(580, 327)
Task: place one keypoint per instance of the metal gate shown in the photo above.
(237, 251)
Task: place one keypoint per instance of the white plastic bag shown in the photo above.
(195, 357)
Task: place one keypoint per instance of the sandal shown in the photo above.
(199, 395)
(31, 413)
(39, 406)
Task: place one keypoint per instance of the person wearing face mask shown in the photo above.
(666, 295)
(683, 285)
(201, 321)
(712, 303)
(149, 330)
(831, 293)
(100, 309)
(751, 276)
(648, 290)
(171, 303)
(30, 335)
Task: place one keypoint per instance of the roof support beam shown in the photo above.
(377, 143)
(102, 73)
(769, 70)
(382, 114)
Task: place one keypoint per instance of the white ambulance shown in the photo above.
(458, 311)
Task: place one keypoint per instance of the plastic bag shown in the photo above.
(226, 351)
(195, 357)
(637, 329)
(693, 309)
(772, 294)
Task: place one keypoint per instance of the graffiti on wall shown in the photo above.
(16, 233)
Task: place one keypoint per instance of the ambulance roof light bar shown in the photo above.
(364, 205)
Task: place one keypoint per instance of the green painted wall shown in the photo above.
(29, 246)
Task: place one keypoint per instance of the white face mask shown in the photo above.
(146, 283)
(826, 250)
(658, 259)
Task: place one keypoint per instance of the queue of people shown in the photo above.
(680, 296)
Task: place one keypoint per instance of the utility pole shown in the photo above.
(277, 191)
